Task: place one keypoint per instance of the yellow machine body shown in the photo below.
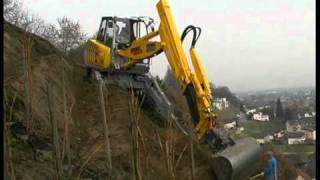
(178, 62)
(98, 55)
(142, 48)
(194, 84)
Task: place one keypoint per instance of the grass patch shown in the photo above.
(258, 129)
(296, 148)
(228, 115)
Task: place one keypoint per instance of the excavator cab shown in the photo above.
(118, 29)
(102, 55)
(115, 34)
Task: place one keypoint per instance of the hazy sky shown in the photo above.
(245, 44)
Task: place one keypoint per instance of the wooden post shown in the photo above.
(105, 125)
(134, 126)
(192, 159)
(169, 151)
(66, 124)
(27, 45)
(9, 168)
(55, 133)
(5, 154)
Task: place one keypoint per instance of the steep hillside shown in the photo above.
(32, 151)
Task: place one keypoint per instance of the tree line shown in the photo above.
(67, 36)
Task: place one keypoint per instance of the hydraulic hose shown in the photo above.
(196, 34)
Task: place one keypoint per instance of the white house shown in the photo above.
(296, 138)
(251, 111)
(230, 125)
(307, 115)
(264, 107)
(311, 135)
(279, 134)
(260, 141)
(268, 138)
(293, 126)
(260, 117)
(239, 130)
(221, 103)
(265, 139)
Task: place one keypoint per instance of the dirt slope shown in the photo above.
(86, 127)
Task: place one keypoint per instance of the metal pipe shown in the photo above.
(236, 160)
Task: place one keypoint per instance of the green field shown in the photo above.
(296, 148)
(261, 129)
(227, 115)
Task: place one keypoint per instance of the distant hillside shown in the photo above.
(224, 91)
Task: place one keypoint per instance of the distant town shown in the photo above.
(283, 118)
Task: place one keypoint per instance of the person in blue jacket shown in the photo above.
(271, 172)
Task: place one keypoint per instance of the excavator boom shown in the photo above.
(195, 87)
(131, 51)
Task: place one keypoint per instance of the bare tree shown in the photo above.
(36, 25)
(16, 15)
(67, 36)
(70, 34)
(50, 33)
(12, 11)
(25, 20)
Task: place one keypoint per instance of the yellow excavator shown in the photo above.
(122, 53)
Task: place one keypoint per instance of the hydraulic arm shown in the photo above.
(195, 86)
(121, 54)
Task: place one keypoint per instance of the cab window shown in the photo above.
(102, 30)
(105, 33)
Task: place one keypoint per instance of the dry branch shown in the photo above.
(88, 159)
(180, 157)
